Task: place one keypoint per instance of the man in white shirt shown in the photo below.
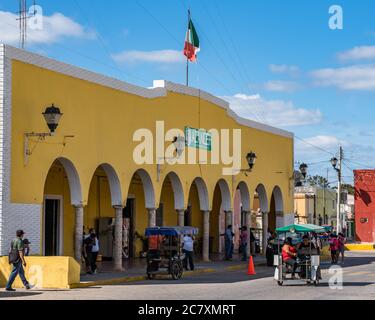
(188, 249)
(94, 250)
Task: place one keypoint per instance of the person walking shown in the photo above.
(333, 247)
(94, 250)
(228, 236)
(341, 247)
(87, 253)
(243, 242)
(17, 258)
(188, 250)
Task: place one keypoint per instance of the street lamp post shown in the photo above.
(336, 164)
(300, 176)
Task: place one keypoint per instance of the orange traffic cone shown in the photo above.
(250, 268)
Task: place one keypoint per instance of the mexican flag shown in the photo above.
(191, 43)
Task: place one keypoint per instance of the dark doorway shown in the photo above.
(51, 227)
(159, 216)
(187, 220)
(129, 229)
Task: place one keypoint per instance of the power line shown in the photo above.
(360, 164)
(313, 145)
(236, 80)
(102, 42)
(242, 66)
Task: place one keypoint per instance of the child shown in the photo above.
(333, 247)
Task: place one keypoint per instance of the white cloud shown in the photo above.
(158, 56)
(322, 141)
(54, 28)
(358, 53)
(275, 112)
(283, 68)
(281, 86)
(359, 77)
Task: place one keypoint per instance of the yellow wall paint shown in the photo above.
(103, 121)
(44, 272)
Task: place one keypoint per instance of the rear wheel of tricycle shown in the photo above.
(176, 270)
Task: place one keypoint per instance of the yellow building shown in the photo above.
(85, 174)
(314, 204)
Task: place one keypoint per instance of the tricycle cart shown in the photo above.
(165, 254)
(307, 259)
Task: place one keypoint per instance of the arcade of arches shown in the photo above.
(113, 220)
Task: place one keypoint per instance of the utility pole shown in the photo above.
(339, 172)
(339, 226)
(337, 165)
(325, 185)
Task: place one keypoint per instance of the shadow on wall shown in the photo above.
(364, 195)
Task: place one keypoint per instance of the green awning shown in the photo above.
(301, 228)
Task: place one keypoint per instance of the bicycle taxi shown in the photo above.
(307, 258)
(165, 255)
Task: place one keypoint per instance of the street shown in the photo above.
(358, 283)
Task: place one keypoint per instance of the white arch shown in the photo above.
(225, 195)
(202, 194)
(148, 188)
(278, 197)
(262, 195)
(245, 196)
(114, 184)
(74, 181)
(178, 191)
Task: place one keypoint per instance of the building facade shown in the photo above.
(316, 205)
(364, 205)
(87, 175)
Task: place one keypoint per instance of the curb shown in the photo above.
(360, 247)
(114, 281)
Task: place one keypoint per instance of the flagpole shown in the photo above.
(187, 59)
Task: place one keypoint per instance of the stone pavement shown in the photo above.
(135, 270)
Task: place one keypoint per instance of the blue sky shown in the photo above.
(276, 61)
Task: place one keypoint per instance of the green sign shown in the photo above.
(198, 138)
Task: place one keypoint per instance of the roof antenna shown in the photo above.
(22, 19)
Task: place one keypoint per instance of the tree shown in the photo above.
(349, 188)
(317, 181)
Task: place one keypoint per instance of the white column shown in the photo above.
(265, 229)
(78, 234)
(181, 217)
(228, 218)
(151, 217)
(117, 245)
(248, 225)
(206, 236)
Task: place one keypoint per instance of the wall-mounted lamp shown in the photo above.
(251, 159)
(179, 143)
(52, 116)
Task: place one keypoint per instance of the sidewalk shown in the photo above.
(135, 270)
